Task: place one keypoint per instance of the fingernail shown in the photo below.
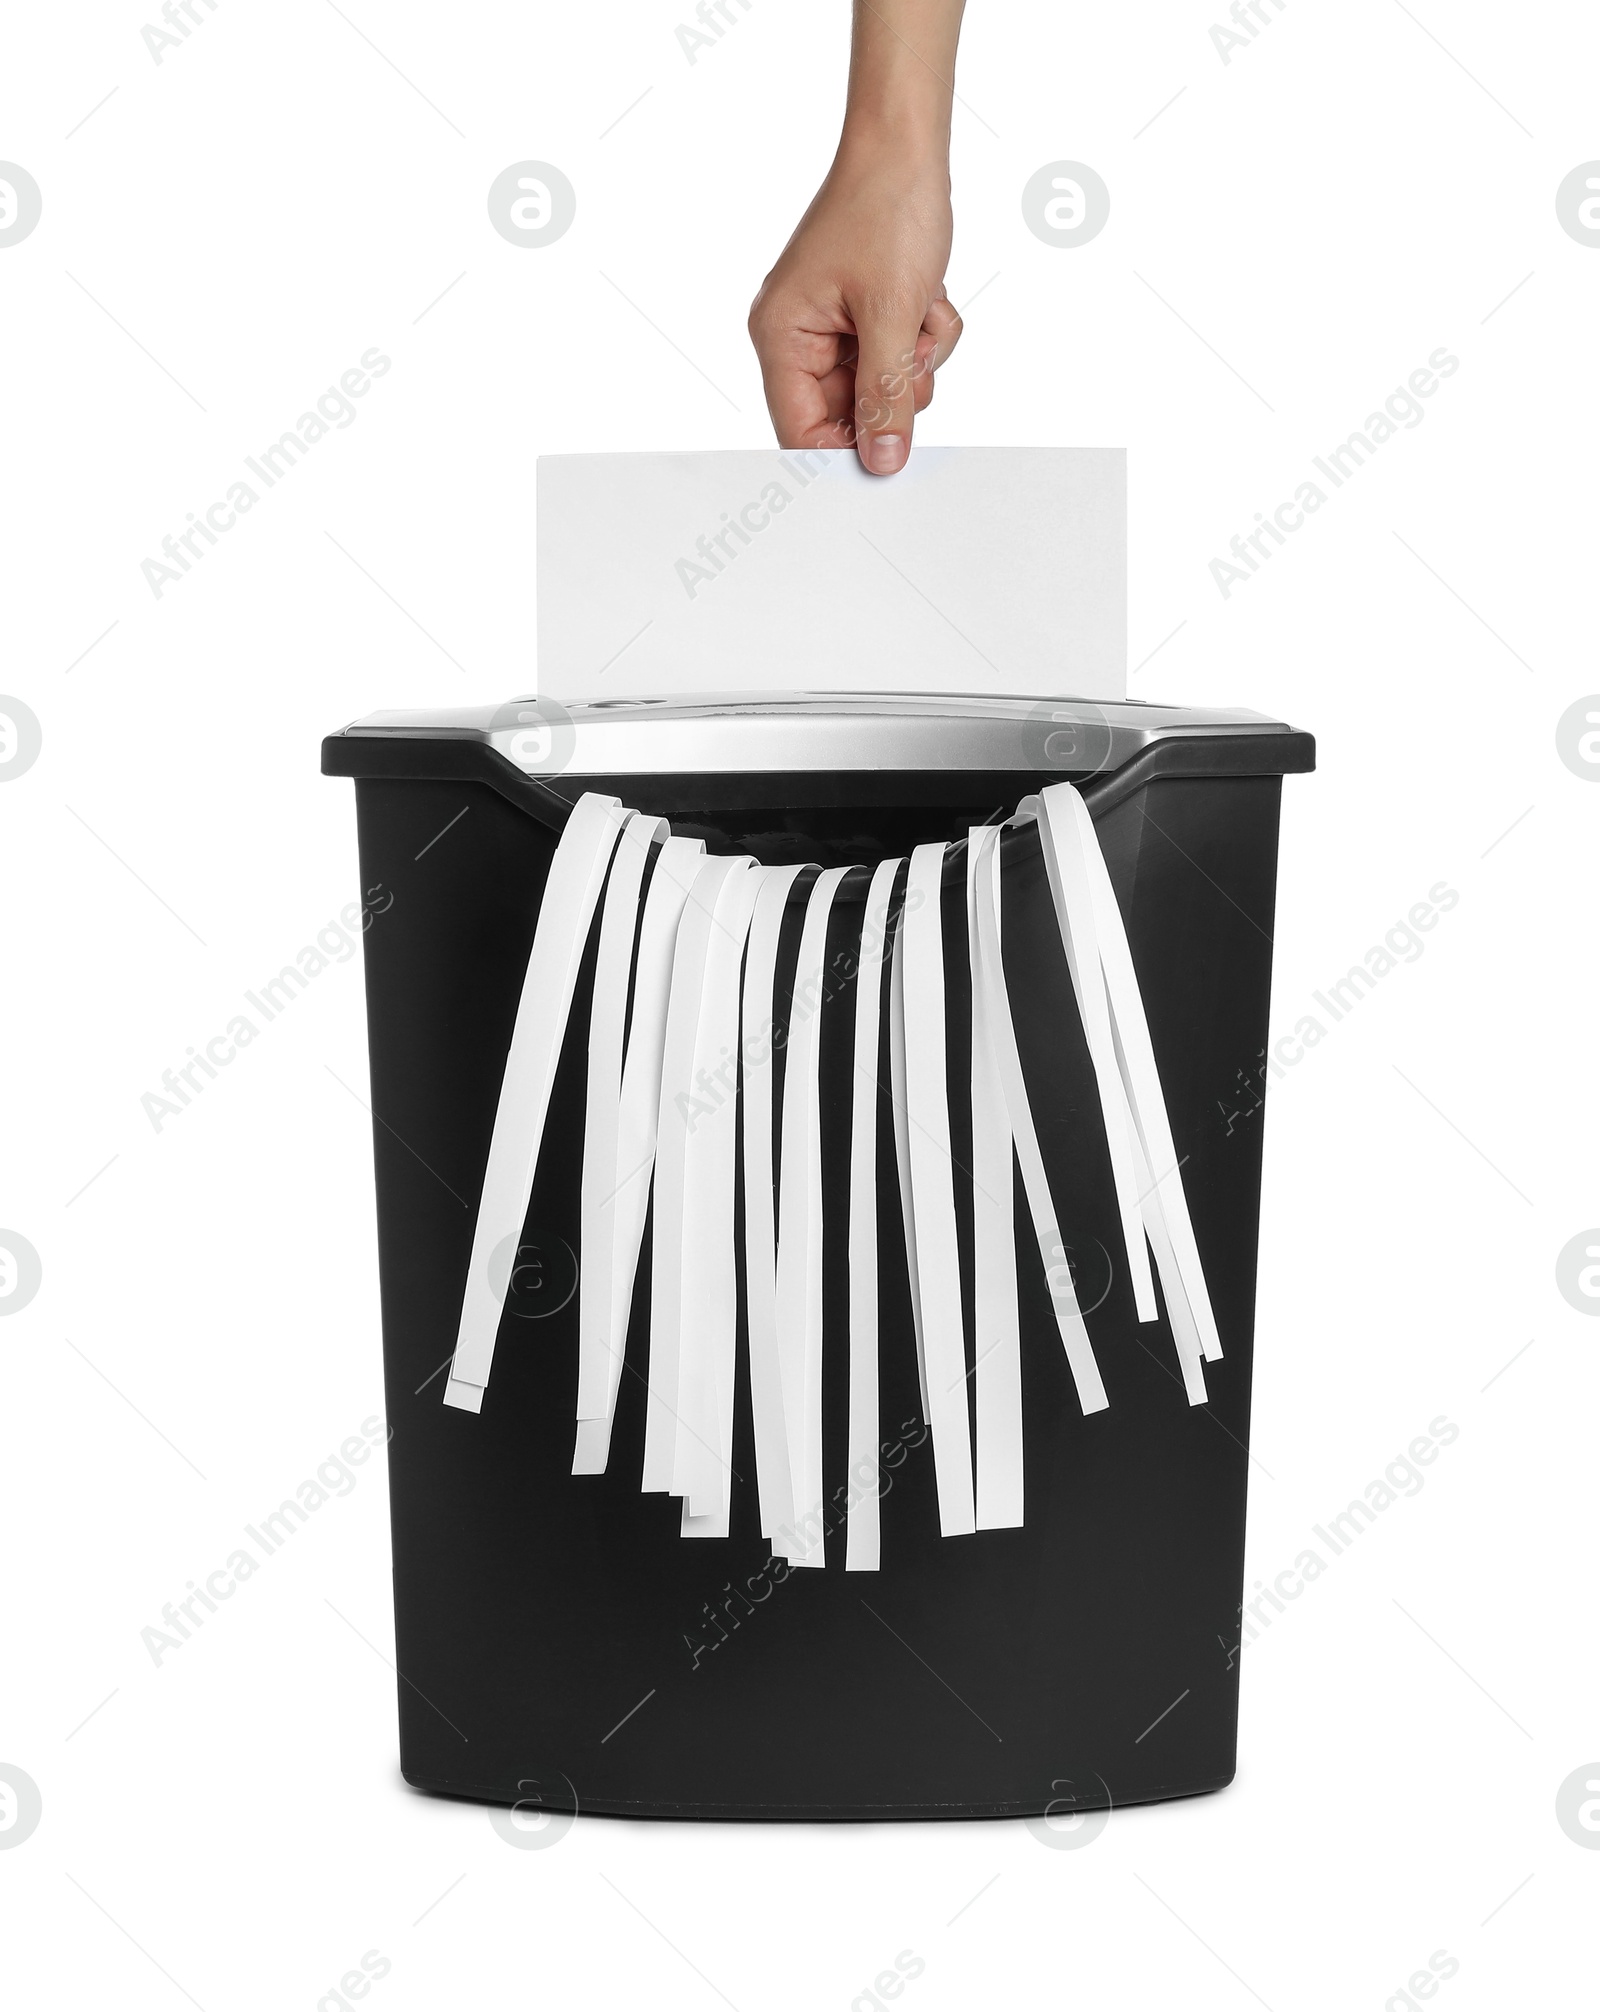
(886, 453)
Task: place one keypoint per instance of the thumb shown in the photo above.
(886, 338)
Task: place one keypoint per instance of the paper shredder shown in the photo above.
(557, 1641)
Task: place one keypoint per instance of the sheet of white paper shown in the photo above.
(572, 889)
(862, 1538)
(977, 569)
(997, 1361)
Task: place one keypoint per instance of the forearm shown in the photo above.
(853, 320)
(902, 71)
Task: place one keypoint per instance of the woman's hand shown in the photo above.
(853, 321)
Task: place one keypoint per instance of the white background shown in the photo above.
(1323, 212)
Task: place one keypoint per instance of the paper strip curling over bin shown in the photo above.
(800, 1124)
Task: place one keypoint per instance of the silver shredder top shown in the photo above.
(812, 732)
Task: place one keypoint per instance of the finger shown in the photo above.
(839, 396)
(803, 405)
(799, 372)
(886, 333)
(929, 355)
(944, 325)
(809, 411)
(922, 369)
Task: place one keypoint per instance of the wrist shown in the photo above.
(885, 140)
(898, 141)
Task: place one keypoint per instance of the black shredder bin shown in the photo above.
(575, 1640)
